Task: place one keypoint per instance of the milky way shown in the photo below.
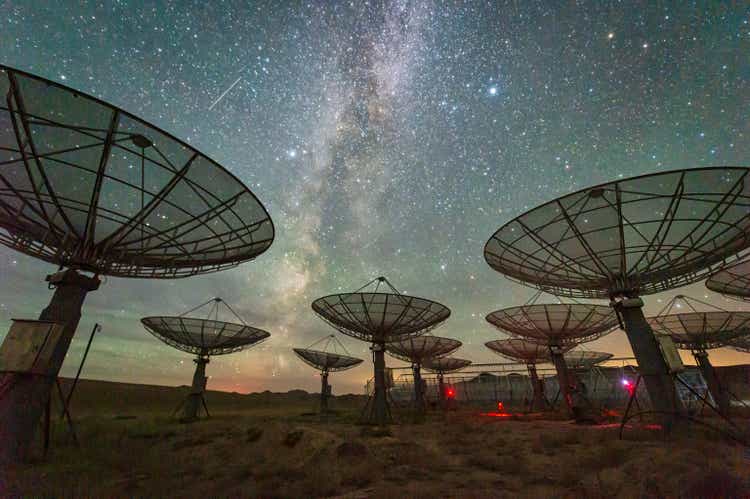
(385, 138)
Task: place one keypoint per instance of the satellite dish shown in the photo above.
(92, 188)
(627, 238)
(418, 350)
(699, 327)
(732, 281)
(379, 318)
(584, 360)
(529, 353)
(560, 327)
(327, 361)
(740, 344)
(203, 337)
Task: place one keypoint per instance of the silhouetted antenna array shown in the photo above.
(529, 353)
(379, 317)
(418, 350)
(627, 238)
(560, 327)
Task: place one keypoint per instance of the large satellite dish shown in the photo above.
(89, 187)
(418, 350)
(559, 326)
(203, 337)
(626, 238)
(732, 281)
(698, 326)
(529, 353)
(740, 344)
(327, 359)
(379, 318)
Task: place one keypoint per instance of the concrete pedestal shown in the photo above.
(720, 396)
(652, 366)
(538, 402)
(324, 391)
(379, 413)
(419, 401)
(195, 398)
(566, 381)
(23, 397)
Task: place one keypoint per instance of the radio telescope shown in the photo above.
(380, 318)
(699, 331)
(529, 353)
(628, 238)
(327, 362)
(443, 365)
(583, 360)
(203, 337)
(560, 327)
(418, 350)
(91, 188)
(732, 281)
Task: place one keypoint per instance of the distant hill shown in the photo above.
(120, 399)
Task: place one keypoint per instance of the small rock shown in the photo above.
(254, 434)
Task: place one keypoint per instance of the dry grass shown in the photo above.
(256, 452)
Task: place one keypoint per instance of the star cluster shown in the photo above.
(385, 138)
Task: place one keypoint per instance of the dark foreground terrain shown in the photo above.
(269, 445)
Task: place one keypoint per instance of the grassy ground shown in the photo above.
(267, 445)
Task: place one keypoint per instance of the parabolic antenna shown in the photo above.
(443, 365)
(89, 187)
(559, 326)
(583, 360)
(529, 353)
(203, 337)
(417, 350)
(555, 324)
(626, 238)
(327, 360)
(698, 330)
(732, 281)
(378, 317)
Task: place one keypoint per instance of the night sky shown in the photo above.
(389, 138)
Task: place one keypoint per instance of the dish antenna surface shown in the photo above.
(203, 337)
(529, 353)
(327, 359)
(90, 187)
(443, 365)
(698, 331)
(560, 327)
(379, 317)
(628, 238)
(419, 350)
(583, 360)
(732, 281)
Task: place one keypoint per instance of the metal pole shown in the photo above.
(97, 327)
(379, 400)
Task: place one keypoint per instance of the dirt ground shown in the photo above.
(271, 445)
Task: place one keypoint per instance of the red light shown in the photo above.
(450, 393)
(500, 407)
